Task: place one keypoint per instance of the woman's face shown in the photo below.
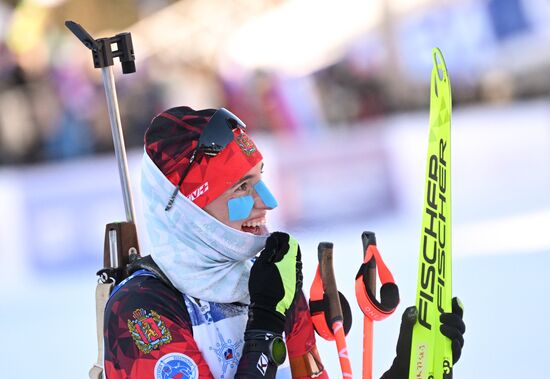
(255, 222)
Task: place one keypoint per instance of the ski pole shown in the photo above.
(335, 308)
(365, 290)
(368, 329)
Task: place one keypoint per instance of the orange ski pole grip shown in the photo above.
(368, 329)
(335, 308)
(365, 290)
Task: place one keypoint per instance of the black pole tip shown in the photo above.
(368, 238)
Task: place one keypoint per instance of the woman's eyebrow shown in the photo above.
(243, 179)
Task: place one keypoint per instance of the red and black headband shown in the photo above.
(172, 140)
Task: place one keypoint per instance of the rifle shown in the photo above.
(121, 242)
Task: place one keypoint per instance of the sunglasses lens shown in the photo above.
(215, 139)
(218, 133)
(232, 119)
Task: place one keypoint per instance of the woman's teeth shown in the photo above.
(254, 223)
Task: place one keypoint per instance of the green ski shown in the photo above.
(431, 355)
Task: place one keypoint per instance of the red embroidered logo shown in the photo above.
(246, 144)
(148, 331)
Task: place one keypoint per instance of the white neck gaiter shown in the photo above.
(201, 256)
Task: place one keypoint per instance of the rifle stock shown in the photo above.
(121, 247)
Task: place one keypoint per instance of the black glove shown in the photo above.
(275, 278)
(452, 326)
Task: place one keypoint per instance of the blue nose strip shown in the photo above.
(266, 196)
(240, 207)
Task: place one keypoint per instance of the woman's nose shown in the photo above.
(258, 202)
(263, 198)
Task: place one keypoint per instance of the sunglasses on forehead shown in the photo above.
(218, 133)
(215, 137)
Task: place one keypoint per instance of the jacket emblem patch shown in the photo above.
(228, 353)
(148, 331)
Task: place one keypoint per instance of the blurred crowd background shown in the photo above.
(336, 95)
(266, 60)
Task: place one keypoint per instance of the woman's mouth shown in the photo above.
(255, 226)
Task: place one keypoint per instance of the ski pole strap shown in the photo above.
(389, 293)
(319, 309)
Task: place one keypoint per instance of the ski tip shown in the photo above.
(439, 63)
(438, 56)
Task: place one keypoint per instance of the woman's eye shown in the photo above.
(243, 187)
